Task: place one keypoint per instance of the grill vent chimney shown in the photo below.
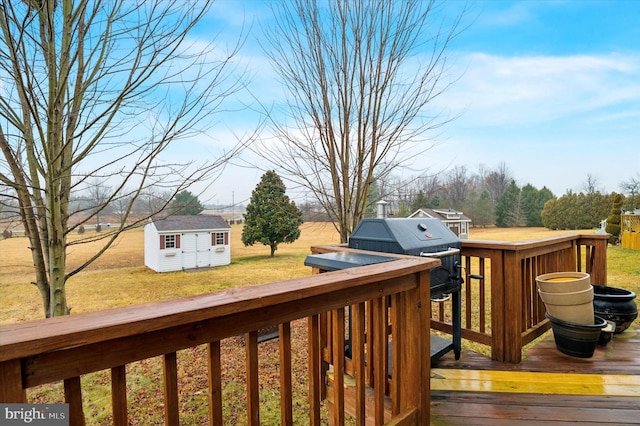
(382, 209)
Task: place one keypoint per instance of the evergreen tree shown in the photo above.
(613, 221)
(533, 203)
(549, 214)
(483, 210)
(420, 202)
(404, 210)
(508, 207)
(631, 202)
(271, 218)
(435, 202)
(185, 203)
(576, 211)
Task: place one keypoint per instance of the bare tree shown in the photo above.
(457, 186)
(591, 185)
(97, 196)
(498, 180)
(361, 76)
(151, 201)
(100, 89)
(632, 186)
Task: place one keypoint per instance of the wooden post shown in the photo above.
(286, 397)
(512, 323)
(413, 348)
(497, 307)
(215, 383)
(597, 260)
(253, 385)
(11, 390)
(73, 397)
(119, 395)
(170, 375)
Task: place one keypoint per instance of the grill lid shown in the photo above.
(411, 236)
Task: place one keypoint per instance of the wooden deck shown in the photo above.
(547, 387)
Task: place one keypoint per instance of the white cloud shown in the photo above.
(499, 90)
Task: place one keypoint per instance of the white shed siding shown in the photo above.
(151, 247)
(170, 259)
(194, 248)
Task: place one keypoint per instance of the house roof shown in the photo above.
(445, 215)
(190, 223)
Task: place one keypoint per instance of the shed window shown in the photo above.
(169, 241)
(219, 238)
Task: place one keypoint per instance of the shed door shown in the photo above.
(195, 250)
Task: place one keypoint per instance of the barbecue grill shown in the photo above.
(427, 237)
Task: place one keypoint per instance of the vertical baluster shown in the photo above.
(379, 347)
(527, 293)
(73, 397)
(119, 395)
(482, 296)
(357, 359)
(286, 397)
(369, 343)
(398, 323)
(324, 335)
(338, 366)
(468, 296)
(253, 387)
(170, 375)
(215, 383)
(316, 378)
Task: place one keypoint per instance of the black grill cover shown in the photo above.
(404, 236)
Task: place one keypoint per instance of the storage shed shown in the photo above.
(178, 243)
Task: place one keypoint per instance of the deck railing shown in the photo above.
(500, 304)
(66, 348)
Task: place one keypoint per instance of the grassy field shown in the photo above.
(120, 278)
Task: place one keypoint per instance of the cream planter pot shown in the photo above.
(575, 307)
(563, 282)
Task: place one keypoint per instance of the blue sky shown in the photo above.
(551, 88)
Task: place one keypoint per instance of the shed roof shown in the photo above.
(190, 223)
(445, 215)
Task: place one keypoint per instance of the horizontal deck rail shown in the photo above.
(66, 348)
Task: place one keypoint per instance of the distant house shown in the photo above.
(456, 221)
(186, 242)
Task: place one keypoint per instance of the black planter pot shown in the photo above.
(577, 340)
(615, 304)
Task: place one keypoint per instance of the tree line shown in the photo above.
(492, 197)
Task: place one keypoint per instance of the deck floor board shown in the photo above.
(558, 405)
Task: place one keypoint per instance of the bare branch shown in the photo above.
(361, 78)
